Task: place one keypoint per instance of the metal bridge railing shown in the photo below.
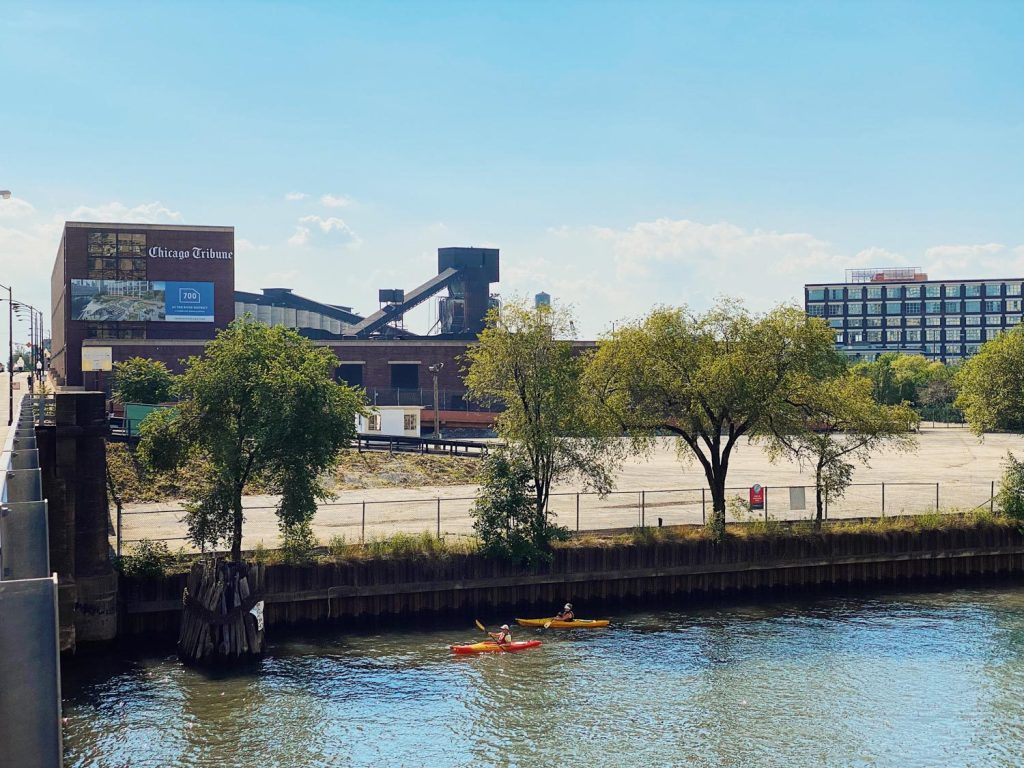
(30, 706)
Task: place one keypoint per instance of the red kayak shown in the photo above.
(488, 646)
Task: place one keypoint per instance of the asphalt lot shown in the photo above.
(963, 466)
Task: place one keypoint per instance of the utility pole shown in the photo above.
(10, 355)
(434, 370)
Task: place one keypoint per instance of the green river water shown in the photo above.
(931, 679)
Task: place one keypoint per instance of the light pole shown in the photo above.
(35, 352)
(10, 350)
(434, 370)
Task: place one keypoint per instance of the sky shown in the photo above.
(621, 155)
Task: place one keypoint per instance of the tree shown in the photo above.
(504, 512)
(141, 380)
(709, 379)
(525, 362)
(1011, 489)
(261, 402)
(990, 385)
(838, 423)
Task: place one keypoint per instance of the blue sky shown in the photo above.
(620, 154)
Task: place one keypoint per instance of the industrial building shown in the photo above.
(163, 291)
(901, 310)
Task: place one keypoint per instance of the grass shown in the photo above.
(355, 470)
(399, 545)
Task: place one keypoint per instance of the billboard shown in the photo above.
(97, 359)
(141, 300)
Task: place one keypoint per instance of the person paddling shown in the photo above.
(566, 614)
(503, 636)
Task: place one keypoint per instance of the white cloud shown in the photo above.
(15, 208)
(336, 201)
(295, 196)
(975, 260)
(146, 213)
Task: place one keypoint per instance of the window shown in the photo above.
(952, 291)
(1012, 319)
(874, 308)
(933, 307)
(993, 289)
(973, 334)
(953, 334)
(913, 321)
(114, 331)
(410, 424)
(953, 319)
(839, 337)
(972, 320)
(874, 322)
(855, 308)
(1013, 305)
(836, 322)
(952, 349)
(993, 319)
(815, 294)
(913, 307)
(874, 336)
(856, 337)
(972, 306)
(933, 291)
(972, 349)
(816, 310)
(991, 333)
(933, 349)
(893, 336)
(933, 334)
(373, 422)
(854, 322)
(892, 322)
(875, 293)
(405, 375)
(892, 307)
(973, 289)
(855, 293)
(1013, 289)
(913, 291)
(952, 306)
(835, 294)
(933, 320)
(913, 335)
(116, 256)
(993, 306)
(835, 309)
(350, 373)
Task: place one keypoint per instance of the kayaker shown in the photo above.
(566, 614)
(502, 637)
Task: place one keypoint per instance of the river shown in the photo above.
(930, 679)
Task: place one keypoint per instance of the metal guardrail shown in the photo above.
(366, 441)
(30, 704)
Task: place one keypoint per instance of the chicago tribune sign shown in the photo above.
(156, 252)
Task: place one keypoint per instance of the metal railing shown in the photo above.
(361, 520)
(448, 399)
(30, 705)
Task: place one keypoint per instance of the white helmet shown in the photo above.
(505, 627)
(568, 607)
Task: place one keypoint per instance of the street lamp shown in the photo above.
(434, 370)
(10, 354)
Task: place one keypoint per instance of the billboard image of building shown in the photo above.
(141, 301)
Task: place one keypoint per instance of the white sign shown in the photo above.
(97, 359)
(195, 252)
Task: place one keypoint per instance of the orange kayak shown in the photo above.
(491, 647)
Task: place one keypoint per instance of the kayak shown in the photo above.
(490, 647)
(556, 624)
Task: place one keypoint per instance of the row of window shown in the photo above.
(114, 331)
(116, 256)
(914, 307)
(917, 322)
(931, 291)
(914, 336)
(409, 422)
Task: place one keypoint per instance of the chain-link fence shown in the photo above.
(360, 521)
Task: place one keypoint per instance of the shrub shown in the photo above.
(1011, 492)
(299, 543)
(147, 559)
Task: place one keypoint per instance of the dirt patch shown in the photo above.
(403, 470)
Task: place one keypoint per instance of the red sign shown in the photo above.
(756, 497)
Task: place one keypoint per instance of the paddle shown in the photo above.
(483, 629)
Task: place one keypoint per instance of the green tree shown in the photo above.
(1011, 489)
(990, 385)
(504, 512)
(709, 379)
(260, 402)
(525, 362)
(838, 422)
(141, 380)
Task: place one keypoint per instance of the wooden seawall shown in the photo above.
(470, 584)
